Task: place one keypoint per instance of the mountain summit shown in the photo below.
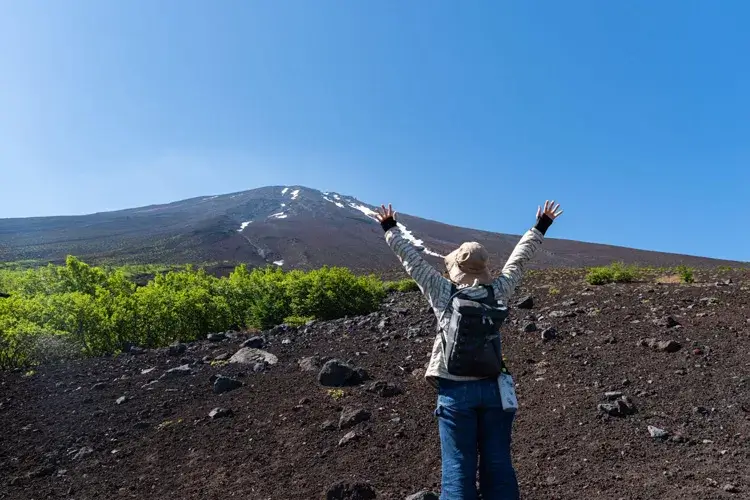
(289, 226)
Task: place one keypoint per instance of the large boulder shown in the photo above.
(251, 356)
(337, 373)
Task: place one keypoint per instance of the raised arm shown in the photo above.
(530, 242)
(433, 285)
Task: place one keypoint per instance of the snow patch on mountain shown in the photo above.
(279, 262)
(244, 225)
(279, 215)
(338, 204)
(295, 193)
(368, 212)
(283, 191)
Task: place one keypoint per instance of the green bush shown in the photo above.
(405, 285)
(685, 273)
(77, 309)
(614, 273)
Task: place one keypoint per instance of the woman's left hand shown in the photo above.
(550, 210)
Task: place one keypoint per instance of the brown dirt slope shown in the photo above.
(65, 436)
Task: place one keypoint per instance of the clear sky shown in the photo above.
(635, 115)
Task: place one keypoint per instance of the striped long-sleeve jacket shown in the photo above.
(437, 289)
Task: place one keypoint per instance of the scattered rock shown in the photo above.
(530, 328)
(220, 413)
(349, 437)
(663, 345)
(549, 334)
(336, 373)
(666, 321)
(254, 343)
(423, 495)
(384, 389)
(569, 303)
(177, 349)
(311, 364)
(350, 491)
(328, 425)
(216, 337)
(136, 351)
(121, 400)
(224, 384)
(251, 356)
(222, 357)
(612, 395)
(561, 314)
(99, 386)
(657, 433)
(730, 488)
(620, 408)
(180, 371)
(525, 303)
(353, 416)
(83, 452)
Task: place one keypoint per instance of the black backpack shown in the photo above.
(472, 346)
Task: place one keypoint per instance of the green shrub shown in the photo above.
(614, 273)
(405, 285)
(58, 312)
(685, 273)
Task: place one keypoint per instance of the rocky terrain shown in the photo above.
(630, 391)
(292, 226)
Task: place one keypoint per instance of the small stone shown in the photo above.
(350, 491)
(254, 343)
(525, 303)
(384, 389)
(353, 416)
(216, 337)
(99, 386)
(530, 328)
(423, 495)
(612, 395)
(121, 400)
(549, 334)
(224, 384)
(180, 371)
(310, 364)
(349, 437)
(286, 341)
(220, 413)
(328, 425)
(657, 433)
(177, 349)
(730, 488)
(667, 321)
(250, 356)
(222, 357)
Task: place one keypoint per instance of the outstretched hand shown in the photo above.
(385, 213)
(550, 210)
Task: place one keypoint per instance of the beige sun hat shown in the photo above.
(468, 263)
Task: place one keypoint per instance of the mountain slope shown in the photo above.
(296, 227)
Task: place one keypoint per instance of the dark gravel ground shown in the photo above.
(65, 436)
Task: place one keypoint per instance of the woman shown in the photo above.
(471, 418)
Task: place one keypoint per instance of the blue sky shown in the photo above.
(632, 114)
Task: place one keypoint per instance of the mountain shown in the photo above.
(291, 226)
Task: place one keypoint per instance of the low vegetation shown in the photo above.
(614, 273)
(77, 309)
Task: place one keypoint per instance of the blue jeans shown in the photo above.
(472, 422)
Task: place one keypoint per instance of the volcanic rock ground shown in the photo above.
(102, 428)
